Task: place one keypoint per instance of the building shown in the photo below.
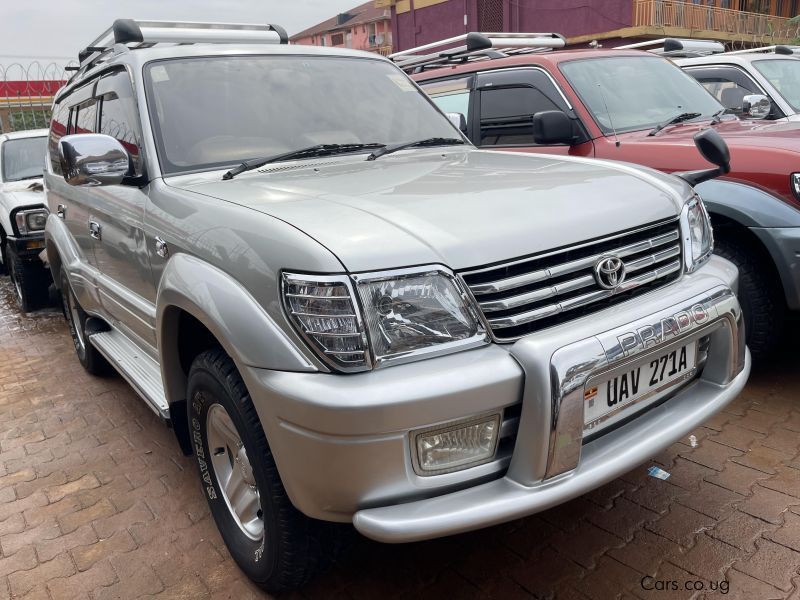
(739, 23)
(365, 27)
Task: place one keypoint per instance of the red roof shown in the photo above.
(24, 89)
(364, 13)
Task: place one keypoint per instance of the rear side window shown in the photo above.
(58, 129)
(508, 101)
(118, 117)
(728, 85)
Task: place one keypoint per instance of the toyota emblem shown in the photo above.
(609, 272)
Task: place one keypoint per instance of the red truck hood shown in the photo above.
(762, 153)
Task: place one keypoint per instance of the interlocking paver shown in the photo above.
(96, 501)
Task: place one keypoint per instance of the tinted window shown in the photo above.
(118, 115)
(627, 93)
(216, 112)
(23, 158)
(728, 85)
(508, 101)
(87, 117)
(58, 129)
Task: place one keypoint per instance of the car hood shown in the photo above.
(22, 193)
(778, 135)
(460, 208)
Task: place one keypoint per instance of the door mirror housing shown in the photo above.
(552, 127)
(459, 120)
(93, 159)
(756, 106)
(714, 150)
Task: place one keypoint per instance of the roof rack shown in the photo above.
(477, 46)
(140, 34)
(684, 48)
(787, 50)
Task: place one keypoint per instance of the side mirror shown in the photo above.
(552, 127)
(714, 150)
(756, 106)
(459, 120)
(92, 159)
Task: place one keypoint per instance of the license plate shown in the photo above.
(608, 397)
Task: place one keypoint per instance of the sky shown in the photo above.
(54, 30)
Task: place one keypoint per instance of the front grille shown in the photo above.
(533, 293)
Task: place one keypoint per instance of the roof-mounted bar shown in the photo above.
(677, 47)
(781, 49)
(477, 46)
(130, 31)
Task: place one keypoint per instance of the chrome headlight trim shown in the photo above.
(794, 183)
(480, 338)
(21, 219)
(694, 213)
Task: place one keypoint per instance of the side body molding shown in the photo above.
(244, 329)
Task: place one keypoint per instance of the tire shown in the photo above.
(277, 547)
(91, 359)
(29, 280)
(3, 257)
(760, 295)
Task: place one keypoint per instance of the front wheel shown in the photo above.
(29, 280)
(91, 359)
(760, 294)
(276, 546)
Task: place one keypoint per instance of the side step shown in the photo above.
(135, 366)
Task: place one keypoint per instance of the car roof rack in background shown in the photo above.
(678, 48)
(781, 49)
(144, 34)
(477, 46)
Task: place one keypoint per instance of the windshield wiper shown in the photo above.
(434, 141)
(717, 116)
(676, 119)
(310, 152)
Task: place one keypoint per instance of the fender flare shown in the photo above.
(240, 324)
(747, 205)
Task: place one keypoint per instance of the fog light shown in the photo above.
(34, 244)
(456, 446)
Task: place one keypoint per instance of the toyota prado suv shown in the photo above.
(349, 314)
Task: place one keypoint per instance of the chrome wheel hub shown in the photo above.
(74, 316)
(234, 472)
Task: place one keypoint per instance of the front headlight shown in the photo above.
(407, 314)
(698, 237)
(795, 184)
(30, 221)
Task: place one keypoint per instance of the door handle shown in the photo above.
(61, 211)
(95, 230)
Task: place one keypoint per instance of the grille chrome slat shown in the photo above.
(516, 302)
(503, 285)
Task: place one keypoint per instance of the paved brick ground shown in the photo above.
(97, 501)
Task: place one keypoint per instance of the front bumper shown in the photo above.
(341, 442)
(27, 246)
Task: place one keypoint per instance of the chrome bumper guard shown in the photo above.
(538, 479)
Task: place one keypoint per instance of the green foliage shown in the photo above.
(22, 120)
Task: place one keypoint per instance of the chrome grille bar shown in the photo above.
(562, 285)
(503, 285)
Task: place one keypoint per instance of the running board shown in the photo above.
(135, 366)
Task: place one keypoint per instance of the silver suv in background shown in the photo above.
(349, 314)
(23, 215)
(734, 78)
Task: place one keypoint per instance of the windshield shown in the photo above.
(23, 158)
(217, 112)
(784, 75)
(629, 93)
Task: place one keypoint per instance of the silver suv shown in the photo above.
(349, 314)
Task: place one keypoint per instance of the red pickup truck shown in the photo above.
(634, 106)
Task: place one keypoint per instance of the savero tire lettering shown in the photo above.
(666, 329)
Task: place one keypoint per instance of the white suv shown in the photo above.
(23, 214)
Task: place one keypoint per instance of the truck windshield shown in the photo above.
(784, 75)
(215, 112)
(23, 158)
(628, 93)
